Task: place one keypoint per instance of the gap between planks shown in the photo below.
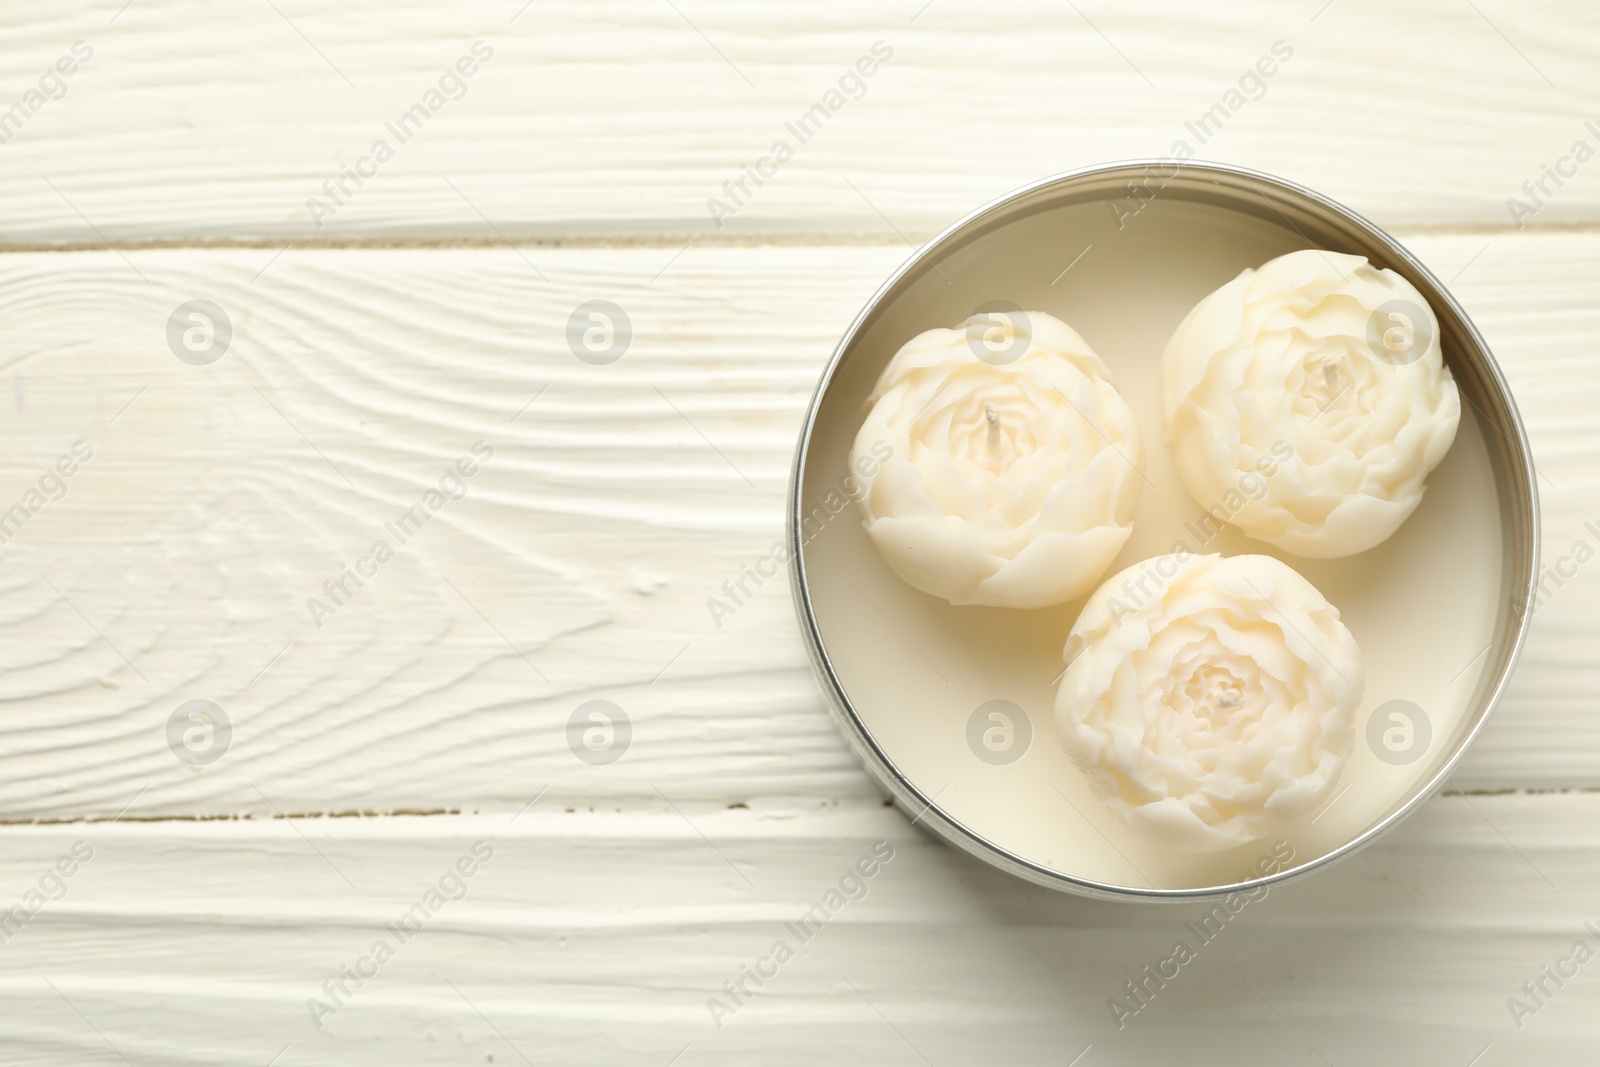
(615, 803)
(798, 238)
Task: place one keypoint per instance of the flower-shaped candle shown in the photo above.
(1210, 700)
(1012, 473)
(1334, 362)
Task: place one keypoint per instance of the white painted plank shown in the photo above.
(598, 937)
(618, 499)
(199, 121)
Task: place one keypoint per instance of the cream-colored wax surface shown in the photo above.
(924, 676)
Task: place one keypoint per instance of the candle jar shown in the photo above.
(951, 708)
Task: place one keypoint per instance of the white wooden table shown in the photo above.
(373, 745)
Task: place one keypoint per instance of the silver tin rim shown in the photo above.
(1516, 484)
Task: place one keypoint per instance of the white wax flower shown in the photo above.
(1210, 699)
(1012, 472)
(1323, 357)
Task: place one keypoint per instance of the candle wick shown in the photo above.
(994, 423)
(1330, 372)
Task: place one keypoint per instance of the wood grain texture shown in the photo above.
(597, 937)
(176, 562)
(195, 121)
(577, 566)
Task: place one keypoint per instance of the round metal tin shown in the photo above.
(1321, 223)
